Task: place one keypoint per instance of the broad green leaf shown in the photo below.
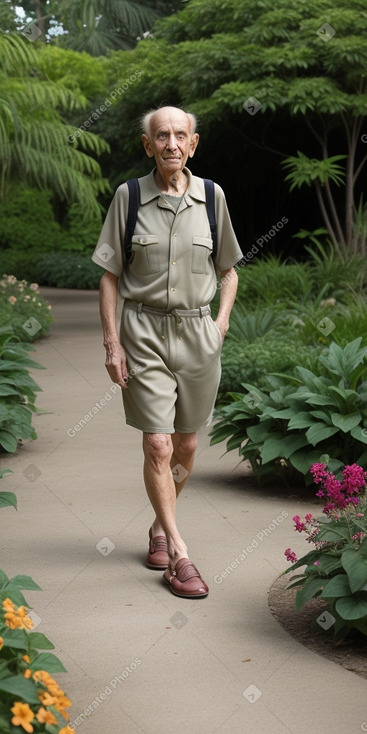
(309, 590)
(15, 638)
(356, 568)
(20, 687)
(25, 582)
(302, 460)
(333, 534)
(283, 446)
(39, 641)
(319, 432)
(359, 433)
(47, 661)
(8, 499)
(346, 422)
(8, 441)
(337, 586)
(352, 607)
(301, 420)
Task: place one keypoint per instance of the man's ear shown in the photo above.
(193, 144)
(147, 146)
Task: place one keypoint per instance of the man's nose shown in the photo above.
(172, 142)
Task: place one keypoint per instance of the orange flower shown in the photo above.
(27, 673)
(45, 717)
(26, 658)
(67, 730)
(8, 605)
(1, 642)
(46, 699)
(16, 618)
(22, 716)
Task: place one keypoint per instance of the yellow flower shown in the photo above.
(45, 717)
(22, 716)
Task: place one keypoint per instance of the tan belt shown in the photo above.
(177, 313)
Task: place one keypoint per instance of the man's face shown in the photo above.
(171, 141)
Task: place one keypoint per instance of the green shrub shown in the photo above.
(23, 308)
(242, 362)
(72, 270)
(296, 421)
(268, 282)
(63, 269)
(27, 223)
(17, 391)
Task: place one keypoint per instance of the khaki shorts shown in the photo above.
(174, 368)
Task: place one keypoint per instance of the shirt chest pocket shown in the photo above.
(145, 249)
(202, 248)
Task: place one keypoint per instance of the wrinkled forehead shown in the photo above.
(170, 119)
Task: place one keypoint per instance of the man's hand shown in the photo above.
(116, 363)
(223, 327)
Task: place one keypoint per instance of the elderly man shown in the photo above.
(167, 339)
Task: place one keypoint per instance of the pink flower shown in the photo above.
(308, 517)
(298, 524)
(316, 563)
(291, 556)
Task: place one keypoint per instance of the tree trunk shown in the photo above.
(39, 17)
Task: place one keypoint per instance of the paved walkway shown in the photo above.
(138, 658)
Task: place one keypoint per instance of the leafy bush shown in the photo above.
(242, 362)
(269, 281)
(72, 270)
(279, 427)
(30, 697)
(336, 571)
(63, 270)
(22, 307)
(17, 391)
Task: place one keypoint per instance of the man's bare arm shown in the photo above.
(115, 353)
(229, 282)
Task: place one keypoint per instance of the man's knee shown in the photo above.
(157, 447)
(186, 444)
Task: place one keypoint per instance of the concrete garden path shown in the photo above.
(138, 658)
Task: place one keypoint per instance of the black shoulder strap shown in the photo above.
(134, 201)
(210, 208)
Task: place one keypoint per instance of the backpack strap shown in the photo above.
(210, 208)
(134, 201)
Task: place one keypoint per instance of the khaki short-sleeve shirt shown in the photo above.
(172, 266)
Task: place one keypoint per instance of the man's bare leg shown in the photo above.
(163, 451)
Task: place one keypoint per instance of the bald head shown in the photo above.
(149, 119)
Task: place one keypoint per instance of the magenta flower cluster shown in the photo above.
(338, 494)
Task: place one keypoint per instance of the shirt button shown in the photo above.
(174, 262)
(175, 234)
(163, 337)
(172, 289)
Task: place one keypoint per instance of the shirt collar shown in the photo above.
(149, 189)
